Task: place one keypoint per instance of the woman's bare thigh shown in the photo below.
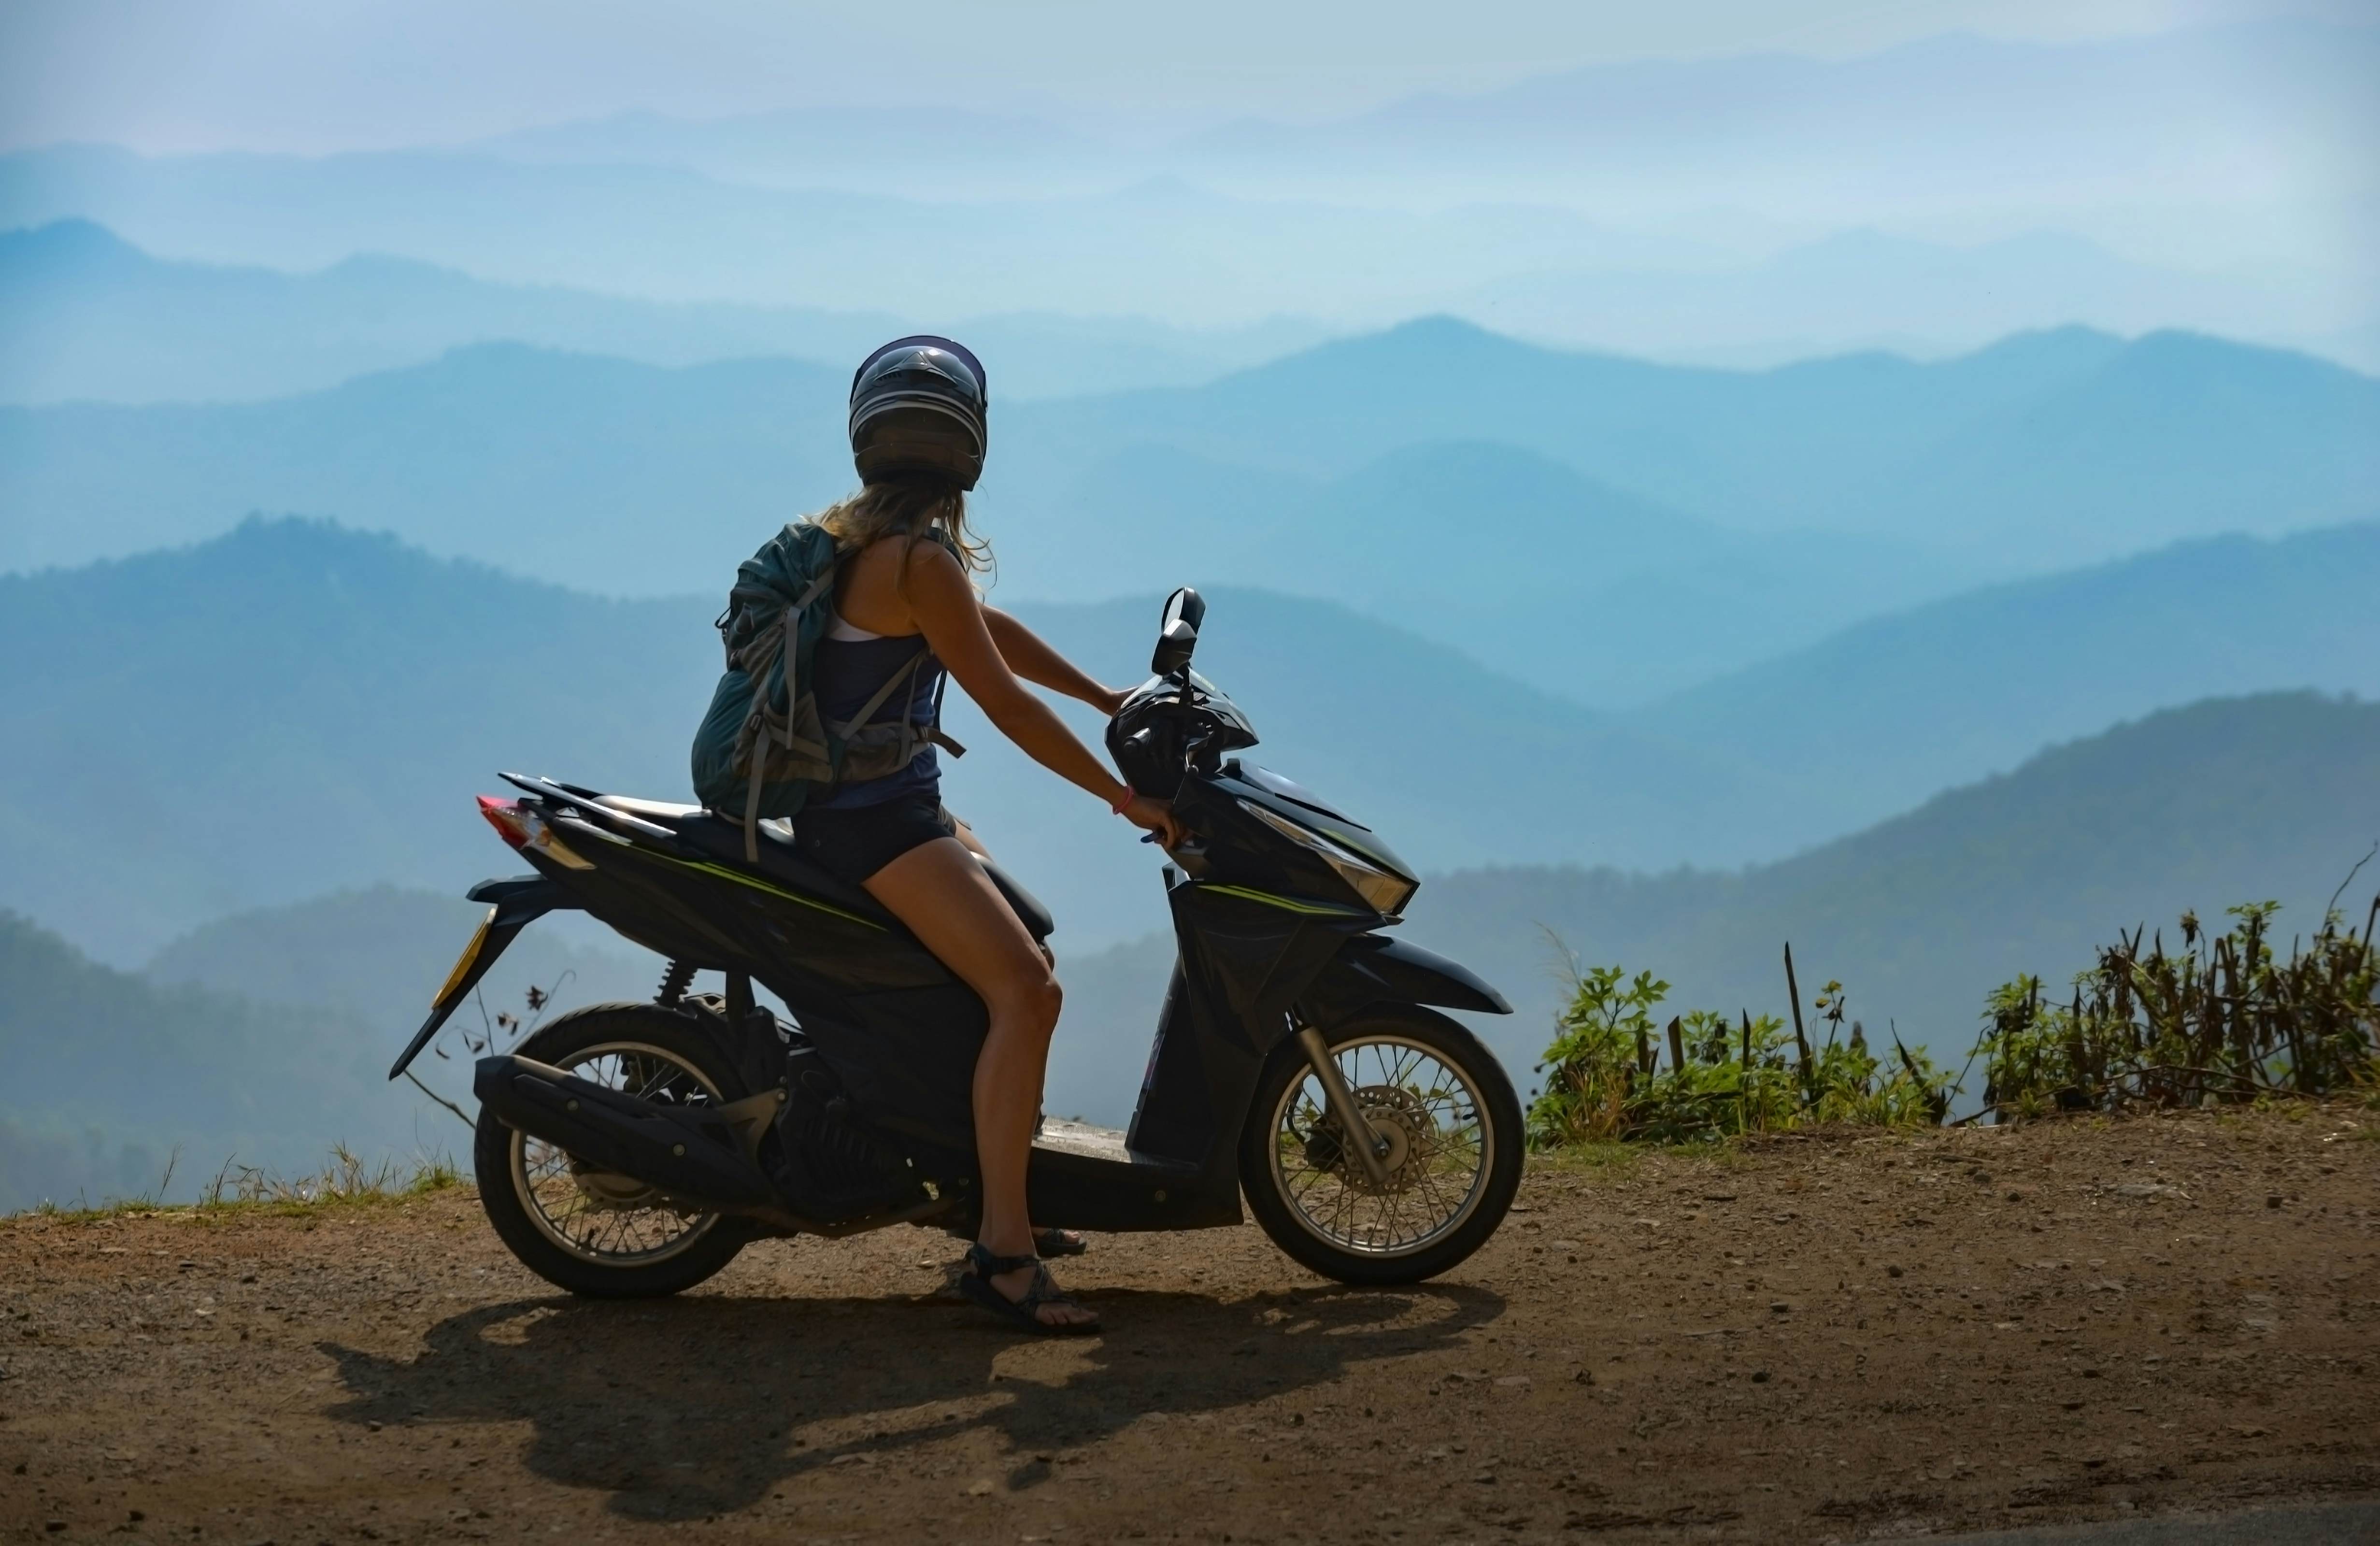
(939, 889)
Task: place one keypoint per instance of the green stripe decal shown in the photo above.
(1312, 910)
(740, 878)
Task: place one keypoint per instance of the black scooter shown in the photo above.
(633, 1149)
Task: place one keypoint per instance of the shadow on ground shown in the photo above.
(692, 1407)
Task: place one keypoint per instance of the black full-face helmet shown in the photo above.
(920, 408)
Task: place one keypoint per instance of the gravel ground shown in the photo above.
(1811, 1339)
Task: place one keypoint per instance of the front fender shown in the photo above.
(1374, 969)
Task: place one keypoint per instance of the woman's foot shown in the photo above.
(1055, 1309)
(1021, 1289)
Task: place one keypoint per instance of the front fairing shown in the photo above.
(1237, 848)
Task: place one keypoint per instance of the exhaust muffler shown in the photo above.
(694, 1153)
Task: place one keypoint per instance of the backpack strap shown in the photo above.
(766, 648)
(906, 672)
(934, 731)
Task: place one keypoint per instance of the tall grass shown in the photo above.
(2225, 1019)
(345, 1179)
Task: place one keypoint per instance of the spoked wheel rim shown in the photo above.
(608, 1220)
(1440, 1140)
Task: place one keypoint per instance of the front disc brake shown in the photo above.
(1398, 1116)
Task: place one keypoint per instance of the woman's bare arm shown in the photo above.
(953, 623)
(1030, 656)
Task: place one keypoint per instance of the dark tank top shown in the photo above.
(846, 674)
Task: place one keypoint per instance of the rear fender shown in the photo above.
(513, 905)
(1374, 969)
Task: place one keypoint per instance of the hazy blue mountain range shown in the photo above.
(1698, 519)
(378, 953)
(1864, 725)
(375, 957)
(518, 456)
(1863, 289)
(295, 709)
(112, 1074)
(85, 316)
(1586, 244)
(2075, 444)
(1884, 712)
(2204, 807)
(1159, 246)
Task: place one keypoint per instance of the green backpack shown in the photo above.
(764, 747)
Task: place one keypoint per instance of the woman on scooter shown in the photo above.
(905, 569)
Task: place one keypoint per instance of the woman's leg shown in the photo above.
(941, 892)
(1049, 1242)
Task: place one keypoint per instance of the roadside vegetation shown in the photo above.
(344, 1181)
(2222, 1019)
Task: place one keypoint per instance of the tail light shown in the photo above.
(512, 823)
(522, 827)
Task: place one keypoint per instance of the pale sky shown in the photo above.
(314, 75)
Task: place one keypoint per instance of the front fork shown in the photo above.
(1371, 1147)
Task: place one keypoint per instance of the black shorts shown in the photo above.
(855, 843)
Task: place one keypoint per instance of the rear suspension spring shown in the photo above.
(674, 982)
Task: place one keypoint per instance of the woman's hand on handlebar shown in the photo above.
(1155, 816)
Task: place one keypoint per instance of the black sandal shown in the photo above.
(976, 1283)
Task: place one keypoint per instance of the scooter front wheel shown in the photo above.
(1444, 1120)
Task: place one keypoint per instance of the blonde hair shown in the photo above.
(908, 510)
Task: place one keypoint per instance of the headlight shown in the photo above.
(1386, 891)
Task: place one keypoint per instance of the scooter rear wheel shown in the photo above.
(1452, 1129)
(601, 1236)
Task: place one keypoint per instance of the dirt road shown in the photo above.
(1817, 1339)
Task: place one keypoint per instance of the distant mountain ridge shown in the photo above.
(86, 316)
(295, 709)
(1824, 491)
(116, 1078)
(2038, 661)
(1841, 445)
(377, 955)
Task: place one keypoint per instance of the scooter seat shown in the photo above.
(781, 861)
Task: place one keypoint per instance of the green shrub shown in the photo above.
(1610, 1075)
(2224, 1019)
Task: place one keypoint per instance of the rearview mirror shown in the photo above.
(1177, 632)
(1184, 606)
(1174, 647)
